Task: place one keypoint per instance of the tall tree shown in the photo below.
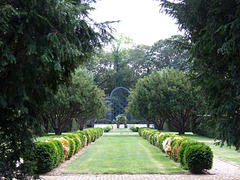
(81, 101)
(213, 28)
(166, 96)
(172, 52)
(41, 43)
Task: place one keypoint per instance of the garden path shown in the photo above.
(221, 170)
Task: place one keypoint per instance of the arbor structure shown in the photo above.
(41, 43)
(213, 28)
(118, 102)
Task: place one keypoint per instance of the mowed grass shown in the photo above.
(121, 130)
(225, 153)
(118, 154)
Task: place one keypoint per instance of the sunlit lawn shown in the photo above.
(121, 130)
(122, 154)
(225, 153)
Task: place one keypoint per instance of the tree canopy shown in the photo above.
(166, 96)
(213, 28)
(172, 52)
(80, 101)
(41, 43)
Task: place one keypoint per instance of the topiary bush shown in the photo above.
(198, 157)
(44, 155)
(195, 156)
(65, 145)
(77, 142)
(107, 129)
(71, 147)
(182, 149)
(60, 152)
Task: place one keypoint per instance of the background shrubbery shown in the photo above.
(108, 128)
(194, 156)
(50, 153)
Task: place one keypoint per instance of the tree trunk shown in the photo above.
(92, 121)
(58, 131)
(81, 126)
(148, 122)
(181, 132)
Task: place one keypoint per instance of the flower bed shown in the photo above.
(195, 156)
(50, 153)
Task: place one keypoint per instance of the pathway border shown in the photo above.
(221, 170)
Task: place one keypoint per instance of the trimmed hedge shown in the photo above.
(108, 128)
(50, 153)
(44, 156)
(195, 156)
(133, 128)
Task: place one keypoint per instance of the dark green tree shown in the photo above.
(131, 66)
(81, 101)
(172, 52)
(166, 96)
(213, 28)
(41, 43)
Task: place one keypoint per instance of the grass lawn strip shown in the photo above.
(119, 130)
(122, 155)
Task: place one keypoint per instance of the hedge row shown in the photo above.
(50, 153)
(195, 156)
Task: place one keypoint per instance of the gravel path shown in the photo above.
(220, 170)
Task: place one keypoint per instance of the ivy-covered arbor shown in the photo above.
(118, 102)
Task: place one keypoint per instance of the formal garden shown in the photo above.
(78, 98)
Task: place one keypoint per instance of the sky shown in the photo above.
(140, 20)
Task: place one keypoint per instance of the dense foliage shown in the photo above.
(41, 43)
(50, 153)
(193, 155)
(171, 52)
(166, 96)
(81, 101)
(213, 28)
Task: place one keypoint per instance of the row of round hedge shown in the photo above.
(56, 149)
(194, 156)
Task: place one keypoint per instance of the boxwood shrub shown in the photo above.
(195, 156)
(45, 156)
(60, 152)
(107, 128)
(71, 147)
(77, 142)
(48, 154)
(198, 157)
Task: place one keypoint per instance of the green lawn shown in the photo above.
(121, 130)
(122, 154)
(225, 153)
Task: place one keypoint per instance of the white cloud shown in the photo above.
(140, 19)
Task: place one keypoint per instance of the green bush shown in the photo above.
(44, 155)
(80, 135)
(182, 148)
(198, 157)
(71, 147)
(88, 135)
(195, 156)
(77, 143)
(107, 129)
(133, 128)
(59, 154)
